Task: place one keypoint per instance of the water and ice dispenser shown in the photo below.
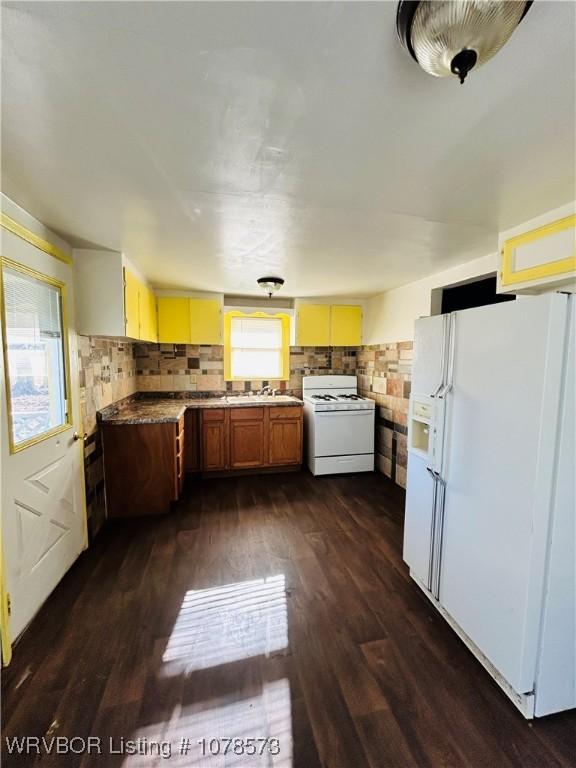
(421, 427)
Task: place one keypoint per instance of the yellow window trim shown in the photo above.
(20, 231)
(551, 269)
(228, 347)
(15, 448)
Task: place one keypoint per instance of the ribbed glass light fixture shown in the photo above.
(450, 37)
(270, 284)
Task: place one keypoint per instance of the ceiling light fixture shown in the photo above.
(270, 284)
(449, 38)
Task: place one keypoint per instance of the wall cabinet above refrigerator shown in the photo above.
(540, 255)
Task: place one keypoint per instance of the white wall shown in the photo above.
(389, 317)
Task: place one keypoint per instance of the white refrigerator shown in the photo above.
(490, 527)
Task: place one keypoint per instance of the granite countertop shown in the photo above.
(159, 411)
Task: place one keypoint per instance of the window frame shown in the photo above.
(14, 447)
(285, 355)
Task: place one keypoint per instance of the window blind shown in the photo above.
(256, 347)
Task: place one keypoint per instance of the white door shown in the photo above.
(43, 505)
(502, 416)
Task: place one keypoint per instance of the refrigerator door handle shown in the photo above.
(432, 531)
(438, 389)
(451, 351)
(438, 536)
(444, 391)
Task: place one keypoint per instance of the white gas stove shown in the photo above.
(339, 425)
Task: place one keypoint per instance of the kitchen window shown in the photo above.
(34, 356)
(256, 346)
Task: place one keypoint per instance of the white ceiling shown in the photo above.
(215, 142)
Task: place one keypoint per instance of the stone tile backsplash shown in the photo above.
(107, 373)
(384, 374)
(185, 367)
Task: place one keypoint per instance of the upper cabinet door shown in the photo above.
(313, 329)
(540, 259)
(174, 320)
(346, 326)
(152, 317)
(205, 321)
(131, 305)
(148, 318)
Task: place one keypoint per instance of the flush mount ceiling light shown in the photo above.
(270, 284)
(450, 37)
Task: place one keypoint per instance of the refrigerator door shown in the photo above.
(429, 356)
(419, 519)
(501, 425)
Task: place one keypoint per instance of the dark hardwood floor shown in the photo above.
(274, 607)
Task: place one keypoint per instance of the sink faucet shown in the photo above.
(265, 391)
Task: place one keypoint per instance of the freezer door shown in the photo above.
(419, 519)
(501, 423)
(429, 356)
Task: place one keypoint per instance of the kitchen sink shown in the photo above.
(259, 399)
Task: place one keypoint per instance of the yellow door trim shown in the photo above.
(20, 231)
(4, 613)
(551, 269)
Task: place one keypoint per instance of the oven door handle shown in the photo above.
(363, 412)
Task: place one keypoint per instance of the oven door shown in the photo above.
(343, 433)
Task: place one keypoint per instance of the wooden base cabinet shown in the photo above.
(285, 439)
(214, 439)
(143, 467)
(192, 440)
(239, 439)
(247, 438)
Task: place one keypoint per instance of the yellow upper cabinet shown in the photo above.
(313, 325)
(345, 326)
(153, 316)
(139, 309)
(131, 304)
(205, 321)
(148, 316)
(325, 325)
(174, 320)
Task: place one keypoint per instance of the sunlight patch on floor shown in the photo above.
(260, 726)
(224, 624)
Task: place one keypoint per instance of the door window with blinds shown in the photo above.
(256, 348)
(34, 356)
